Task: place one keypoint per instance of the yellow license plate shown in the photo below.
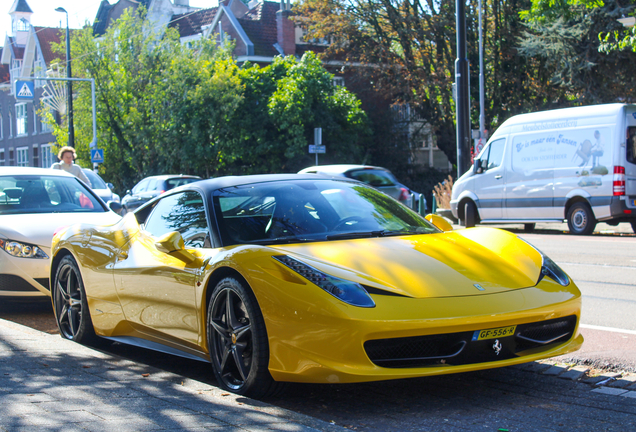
(494, 333)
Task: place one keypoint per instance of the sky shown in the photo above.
(79, 11)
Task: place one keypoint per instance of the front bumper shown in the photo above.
(328, 349)
(23, 277)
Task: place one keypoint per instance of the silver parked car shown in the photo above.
(100, 187)
(378, 177)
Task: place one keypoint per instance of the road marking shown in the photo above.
(609, 329)
(597, 265)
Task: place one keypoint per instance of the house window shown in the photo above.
(338, 81)
(36, 156)
(22, 156)
(20, 25)
(1, 157)
(1, 123)
(48, 158)
(21, 119)
(45, 105)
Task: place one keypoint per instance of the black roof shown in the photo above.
(20, 6)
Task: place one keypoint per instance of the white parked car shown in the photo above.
(34, 204)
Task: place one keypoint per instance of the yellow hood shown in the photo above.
(432, 265)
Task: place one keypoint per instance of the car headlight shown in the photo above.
(349, 292)
(22, 250)
(549, 268)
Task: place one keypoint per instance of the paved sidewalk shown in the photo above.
(51, 384)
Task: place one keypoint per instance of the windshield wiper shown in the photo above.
(280, 240)
(368, 234)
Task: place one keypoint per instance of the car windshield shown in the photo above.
(373, 177)
(311, 210)
(45, 194)
(96, 181)
(173, 183)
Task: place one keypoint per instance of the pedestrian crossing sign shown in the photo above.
(24, 90)
(97, 155)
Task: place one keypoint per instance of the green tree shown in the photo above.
(283, 103)
(569, 47)
(161, 106)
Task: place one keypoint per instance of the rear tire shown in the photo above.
(237, 340)
(581, 220)
(470, 214)
(70, 304)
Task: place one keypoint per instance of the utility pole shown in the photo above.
(461, 85)
(71, 129)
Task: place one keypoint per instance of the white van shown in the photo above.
(577, 164)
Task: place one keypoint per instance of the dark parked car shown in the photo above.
(378, 177)
(151, 187)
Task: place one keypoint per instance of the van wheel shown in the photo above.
(529, 227)
(470, 214)
(581, 220)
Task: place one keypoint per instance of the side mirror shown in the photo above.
(477, 169)
(128, 192)
(172, 244)
(114, 206)
(439, 222)
(110, 186)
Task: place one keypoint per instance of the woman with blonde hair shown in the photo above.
(66, 155)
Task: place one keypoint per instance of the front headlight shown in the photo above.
(549, 268)
(553, 271)
(349, 292)
(22, 250)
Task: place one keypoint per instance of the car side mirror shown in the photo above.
(114, 206)
(172, 244)
(110, 186)
(477, 168)
(439, 222)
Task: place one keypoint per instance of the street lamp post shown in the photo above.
(71, 129)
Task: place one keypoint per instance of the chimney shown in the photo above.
(286, 29)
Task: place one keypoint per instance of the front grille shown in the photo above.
(44, 282)
(16, 283)
(460, 348)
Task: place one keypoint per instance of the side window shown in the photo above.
(494, 154)
(183, 212)
(631, 144)
(140, 187)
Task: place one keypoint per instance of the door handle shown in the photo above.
(498, 176)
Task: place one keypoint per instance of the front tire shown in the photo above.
(70, 305)
(581, 220)
(237, 340)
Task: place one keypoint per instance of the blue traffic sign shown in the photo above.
(97, 155)
(24, 90)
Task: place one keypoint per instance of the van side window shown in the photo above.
(631, 144)
(495, 154)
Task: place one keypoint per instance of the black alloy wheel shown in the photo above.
(237, 340)
(69, 303)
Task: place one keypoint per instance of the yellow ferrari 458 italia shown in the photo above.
(303, 278)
